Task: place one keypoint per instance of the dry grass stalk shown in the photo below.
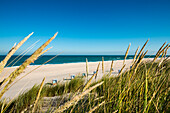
(87, 70)
(99, 98)
(144, 54)
(97, 70)
(141, 57)
(166, 47)
(140, 60)
(135, 54)
(21, 68)
(23, 52)
(35, 68)
(126, 53)
(3, 104)
(76, 98)
(21, 56)
(166, 51)
(102, 64)
(139, 54)
(44, 52)
(74, 105)
(18, 58)
(38, 96)
(160, 52)
(146, 90)
(167, 58)
(96, 107)
(121, 70)
(111, 68)
(11, 52)
(160, 48)
(88, 82)
(115, 111)
(161, 60)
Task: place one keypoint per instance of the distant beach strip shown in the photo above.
(61, 59)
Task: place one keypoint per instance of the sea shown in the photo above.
(61, 59)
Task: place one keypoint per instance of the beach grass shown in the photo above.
(141, 94)
(142, 88)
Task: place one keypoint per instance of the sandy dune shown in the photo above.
(57, 71)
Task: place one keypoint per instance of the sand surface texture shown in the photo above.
(57, 71)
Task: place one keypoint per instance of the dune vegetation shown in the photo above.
(144, 87)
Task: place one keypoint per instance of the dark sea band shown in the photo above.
(69, 58)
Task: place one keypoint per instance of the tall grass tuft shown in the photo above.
(76, 98)
(12, 51)
(88, 82)
(21, 68)
(142, 88)
(139, 54)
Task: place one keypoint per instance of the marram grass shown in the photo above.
(142, 88)
(21, 68)
(132, 97)
(12, 51)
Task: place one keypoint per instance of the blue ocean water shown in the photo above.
(68, 59)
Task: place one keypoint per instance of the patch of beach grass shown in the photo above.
(142, 88)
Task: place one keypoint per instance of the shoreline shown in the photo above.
(76, 62)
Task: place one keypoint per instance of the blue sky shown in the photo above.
(85, 26)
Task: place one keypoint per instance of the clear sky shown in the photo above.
(85, 26)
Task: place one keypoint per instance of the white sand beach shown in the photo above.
(56, 71)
